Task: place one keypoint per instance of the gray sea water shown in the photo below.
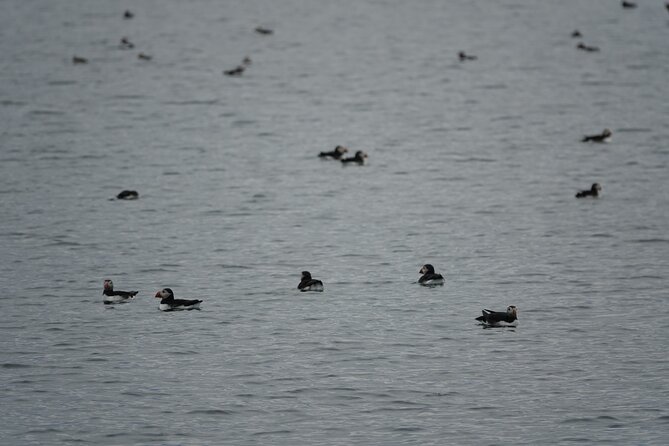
(472, 167)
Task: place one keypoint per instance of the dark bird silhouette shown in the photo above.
(463, 56)
(265, 31)
(497, 318)
(605, 136)
(128, 195)
(576, 34)
(628, 5)
(429, 277)
(583, 47)
(128, 14)
(126, 44)
(309, 284)
(593, 192)
(337, 153)
(359, 158)
(143, 56)
(79, 60)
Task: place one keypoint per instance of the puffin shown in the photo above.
(359, 158)
(126, 44)
(605, 136)
(264, 31)
(237, 71)
(576, 34)
(309, 284)
(128, 14)
(628, 5)
(169, 303)
(128, 195)
(79, 60)
(144, 56)
(593, 192)
(109, 296)
(337, 153)
(463, 56)
(582, 46)
(429, 277)
(499, 318)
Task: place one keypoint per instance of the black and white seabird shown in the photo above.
(605, 136)
(337, 153)
(265, 31)
(582, 46)
(169, 303)
(128, 14)
(359, 158)
(628, 5)
(463, 56)
(576, 34)
(109, 296)
(128, 195)
(499, 318)
(309, 284)
(237, 71)
(144, 56)
(593, 192)
(79, 60)
(126, 44)
(429, 277)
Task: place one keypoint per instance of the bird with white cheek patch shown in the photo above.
(169, 303)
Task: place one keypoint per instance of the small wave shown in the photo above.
(210, 412)
(13, 365)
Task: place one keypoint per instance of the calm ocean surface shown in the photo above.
(472, 167)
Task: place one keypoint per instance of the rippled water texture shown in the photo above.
(473, 167)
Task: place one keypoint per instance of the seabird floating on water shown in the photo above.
(605, 136)
(429, 277)
(593, 192)
(499, 318)
(309, 284)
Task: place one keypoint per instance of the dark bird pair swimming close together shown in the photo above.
(339, 152)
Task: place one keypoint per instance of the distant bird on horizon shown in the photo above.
(576, 34)
(605, 136)
(128, 195)
(143, 56)
(463, 56)
(126, 44)
(593, 192)
(265, 31)
(128, 14)
(628, 5)
(359, 158)
(337, 153)
(582, 46)
(79, 60)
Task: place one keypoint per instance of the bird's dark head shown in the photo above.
(511, 309)
(306, 275)
(108, 285)
(427, 268)
(164, 293)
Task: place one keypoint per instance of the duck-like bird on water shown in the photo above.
(169, 303)
(109, 296)
(308, 283)
(429, 277)
(500, 318)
